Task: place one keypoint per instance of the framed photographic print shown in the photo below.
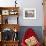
(29, 13)
(13, 20)
(6, 34)
(5, 12)
(0, 19)
(0, 36)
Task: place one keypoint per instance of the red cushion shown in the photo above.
(29, 33)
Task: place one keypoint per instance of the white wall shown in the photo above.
(8, 3)
(27, 4)
(39, 13)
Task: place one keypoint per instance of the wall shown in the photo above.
(44, 13)
(29, 22)
(37, 30)
(27, 4)
(39, 13)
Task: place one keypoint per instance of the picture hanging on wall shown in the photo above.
(29, 13)
(0, 36)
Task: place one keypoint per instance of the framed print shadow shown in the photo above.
(29, 13)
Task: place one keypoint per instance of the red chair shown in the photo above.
(29, 33)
